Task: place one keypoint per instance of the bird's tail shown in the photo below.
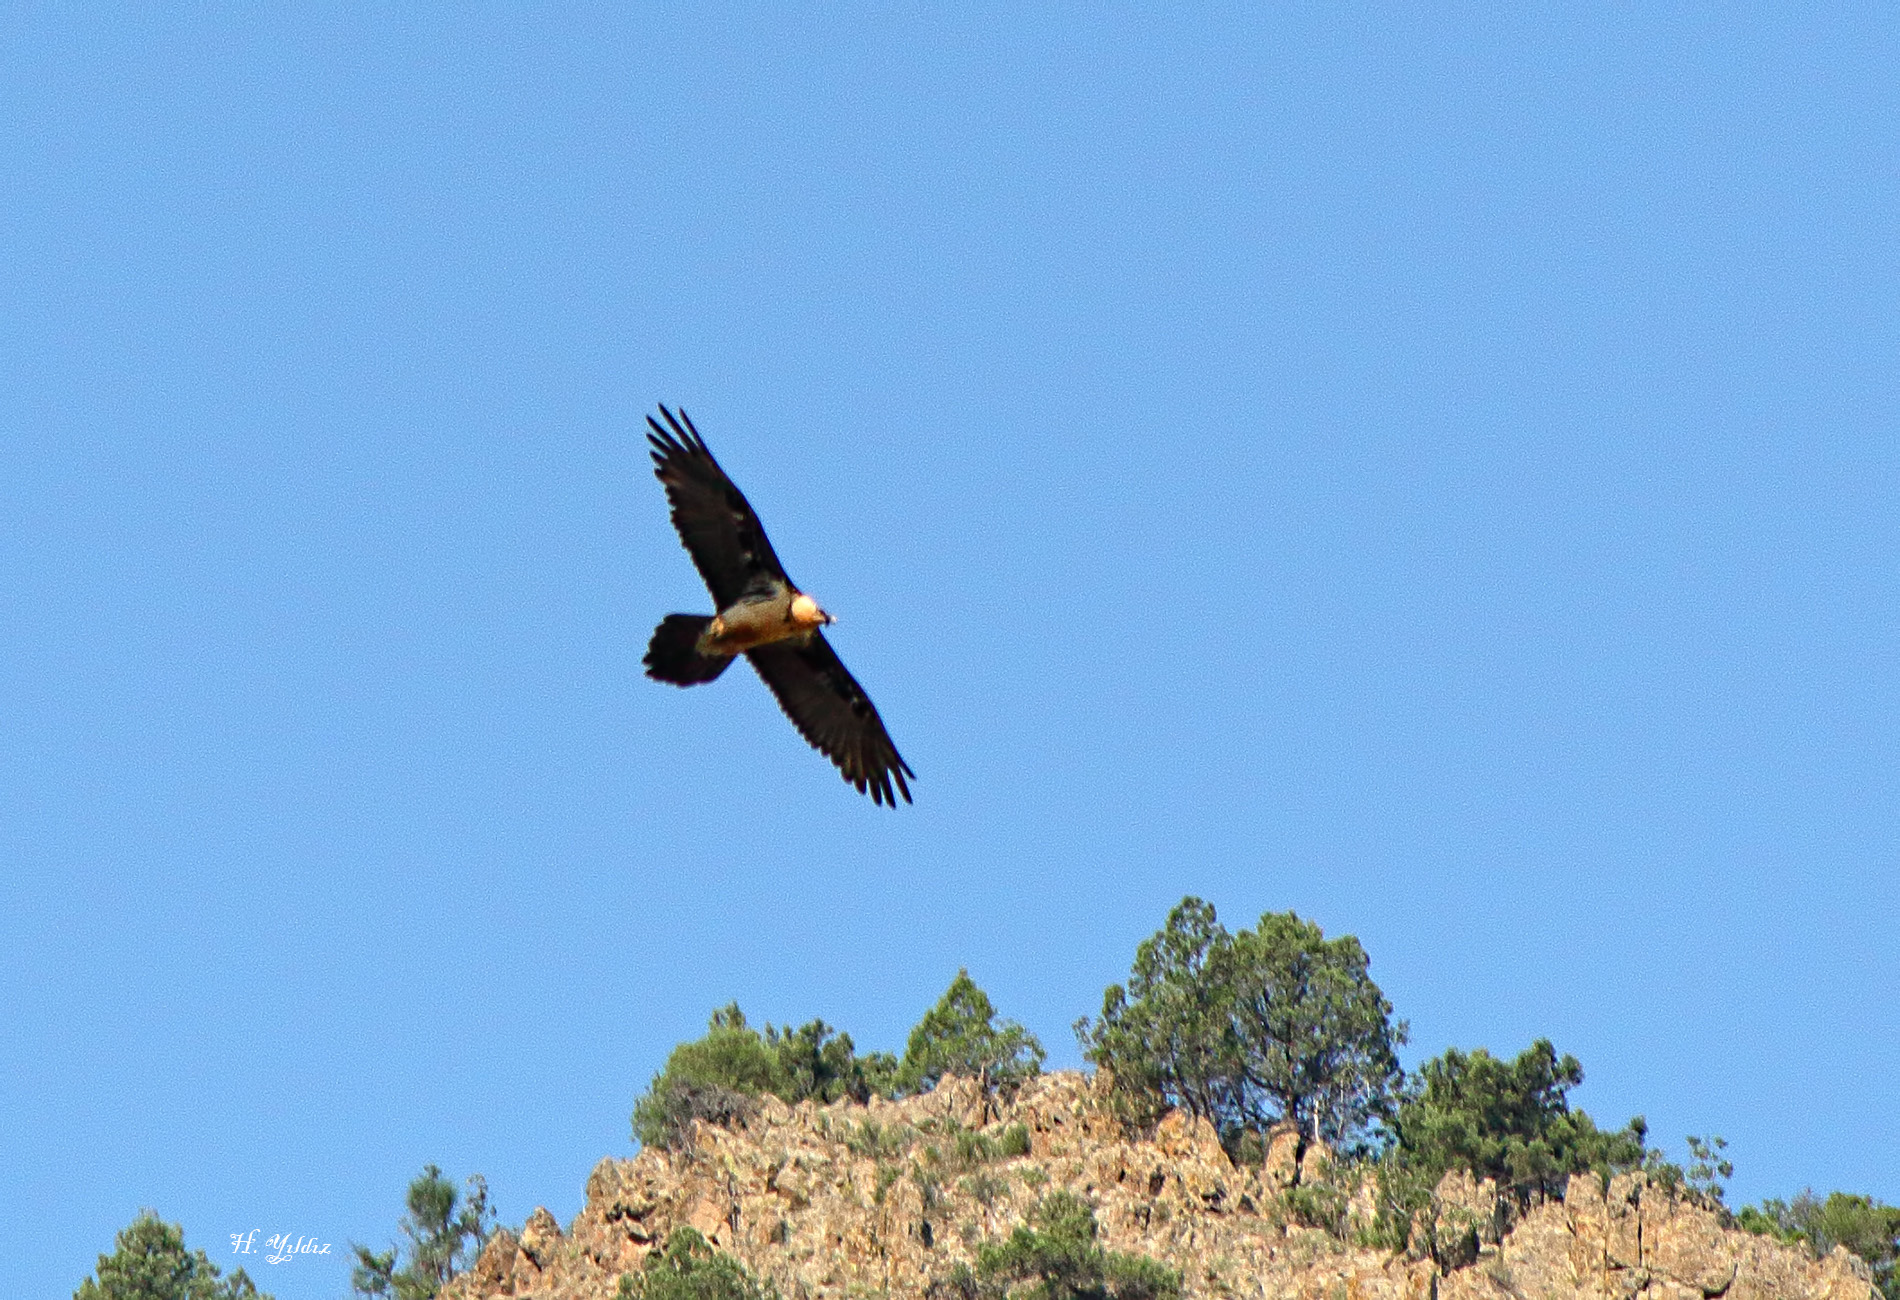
(673, 654)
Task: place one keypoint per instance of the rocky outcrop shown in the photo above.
(849, 1200)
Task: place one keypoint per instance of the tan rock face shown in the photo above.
(1281, 1169)
(846, 1200)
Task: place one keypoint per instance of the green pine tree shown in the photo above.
(151, 1263)
(443, 1240)
(961, 1035)
(1277, 1023)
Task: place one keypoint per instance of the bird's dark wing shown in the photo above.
(830, 709)
(724, 537)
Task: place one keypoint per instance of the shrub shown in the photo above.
(689, 1268)
(664, 1116)
(877, 1141)
(983, 1188)
(1056, 1257)
(964, 1148)
(1862, 1224)
(1320, 1203)
(980, 1148)
(1012, 1142)
(716, 1078)
(1511, 1122)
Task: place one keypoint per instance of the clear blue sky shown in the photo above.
(1436, 471)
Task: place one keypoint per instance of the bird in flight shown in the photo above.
(762, 615)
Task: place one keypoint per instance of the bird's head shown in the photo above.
(805, 612)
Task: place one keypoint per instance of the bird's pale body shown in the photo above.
(748, 624)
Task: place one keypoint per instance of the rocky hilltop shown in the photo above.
(879, 1200)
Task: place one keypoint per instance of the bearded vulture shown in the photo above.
(762, 616)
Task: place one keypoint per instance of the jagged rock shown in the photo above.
(537, 1251)
(494, 1270)
(1315, 1160)
(955, 1099)
(541, 1237)
(1281, 1168)
(1469, 1216)
(804, 1196)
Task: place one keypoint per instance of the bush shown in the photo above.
(817, 1061)
(1322, 1204)
(688, 1268)
(1012, 1142)
(664, 1117)
(1862, 1224)
(1274, 1023)
(718, 1077)
(1509, 1122)
(151, 1263)
(975, 1148)
(1056, 1257)
(877, 1141)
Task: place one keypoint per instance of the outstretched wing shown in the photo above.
(830, 709)
(715, 521)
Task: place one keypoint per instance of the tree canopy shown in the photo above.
(718, 1077)
(1274, 1023)
(961, 1035)
(817, 1061)
(443, 1241)
(151, 1263)
(1509, 1121)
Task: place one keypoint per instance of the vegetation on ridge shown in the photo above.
(1266, 1033)
(718, 1078)
(689, 1268)
(1055, 1256)
(961, 1035)
(1863, 1225)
